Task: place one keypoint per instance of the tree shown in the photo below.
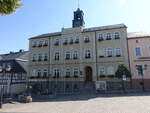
(9, 6)
(122, 70)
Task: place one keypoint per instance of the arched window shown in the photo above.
(39, 73)
(45, 73)
(56, 73)
(75, 55)
(76, 72)
(87, 54)
(68, 55)
(56, 56)
(68, 73)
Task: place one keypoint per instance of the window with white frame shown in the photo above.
(40, 43)
(34, 58)
(86, 38)
(40, 57)
(45, 57)
(45, 43)
(65, 41)
(109, 52)
(68, 73)
(39, 73)
(102, 71)
(56, 42)
(118, 52)
(100, 37)
(75, 55)
(56, 56)
(68, 55)
(76, 72)
(110, 70)
(117, 35)
(56, 73)
(71, 40)
(45, 73)
(108, 36)
(140, 70)
(138, 51)
(87, 54)
(77, 40)
(34, 44)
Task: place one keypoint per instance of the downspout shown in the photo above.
(48, 64)
(96, 57)
(129, 61)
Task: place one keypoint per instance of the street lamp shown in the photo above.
(140, 69)
(124, 78)
(3, 70)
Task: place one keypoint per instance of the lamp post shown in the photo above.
(3, 70)
(124, 78)
(140, 69)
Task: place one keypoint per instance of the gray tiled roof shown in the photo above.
(47, 35)
(13, 56)
(138, 34)
(84, 30)
(105, 27)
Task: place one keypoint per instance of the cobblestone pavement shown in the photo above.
(139, 103)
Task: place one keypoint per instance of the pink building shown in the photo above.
(139, 53)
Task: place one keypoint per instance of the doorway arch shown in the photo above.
(88, 74)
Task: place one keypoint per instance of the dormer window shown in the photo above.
(77, 40)
(108, 36)
(71, 41)
(86, 39)
(34, 44)
(56, 42)
(100, 37)
(65, 41)
(40, 44)
(117, 35)
(45, 43)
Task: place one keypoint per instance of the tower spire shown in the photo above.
(79, 4)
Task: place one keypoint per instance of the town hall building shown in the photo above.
(68, 60)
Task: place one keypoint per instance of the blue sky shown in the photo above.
(35, 18)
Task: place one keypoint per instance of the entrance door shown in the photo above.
(88, 74)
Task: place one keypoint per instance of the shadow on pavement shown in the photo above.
(85, 97)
